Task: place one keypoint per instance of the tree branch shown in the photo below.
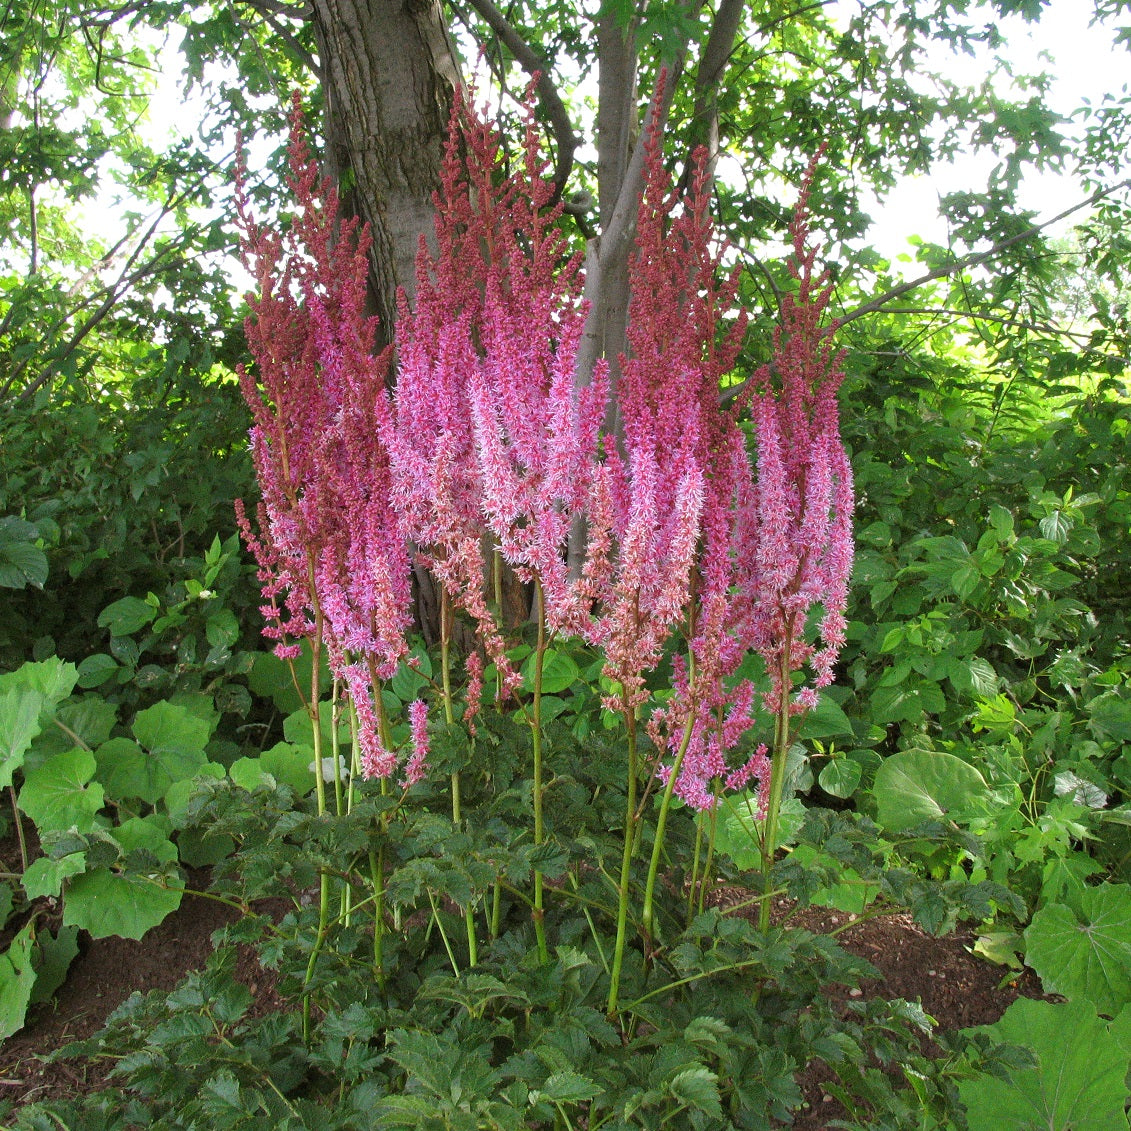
(564, 136)
(716, 52)
(975, 259)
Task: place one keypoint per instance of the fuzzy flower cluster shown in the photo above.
(331, 555)
(795, 519)
(491, 441)
(491, 435)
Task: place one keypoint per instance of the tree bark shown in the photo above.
(388, 72)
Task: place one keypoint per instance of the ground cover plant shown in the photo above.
(500, 871)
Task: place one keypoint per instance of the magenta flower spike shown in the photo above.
(490, 433)
(330, 552)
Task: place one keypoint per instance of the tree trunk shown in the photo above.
(388, 72)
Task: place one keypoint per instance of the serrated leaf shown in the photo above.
(964, 580)
(1085, 953)
(125, 617)
(21, 565)
(698, 1087)
(1056, 526)
(1001, 521)
(1077, 1084)
(59, 794)
(567, 1087)
(1082, 791)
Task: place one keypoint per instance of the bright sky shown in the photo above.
(1085, 65)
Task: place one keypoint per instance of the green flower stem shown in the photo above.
(320, 794)
(777, 783)
(450, 718)
(646, 915)
(496, 911)
(443, 934)
(710, 861)
(19, 829)
(625, 864)
(734, 967)
(536, 742)
(692, 890)
(377, 873)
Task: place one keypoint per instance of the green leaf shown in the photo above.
(96, 670)
(285, 762)
(17, 980)
(698, 1087)
(964, 580)
(559, 671)
(840, 777)
(409, 681)
(1056, 526)
(222, 629)
(1001, 521)
(919, 785)
(1086, 952)
(126, 616)
(59, 794)
(826, 720)
(973, 676)
(21, 563)
(19, 724)
(299, 731)
(44, 877)
(56, 953)
(107, 902)
(1111, 715)
(52, 678)
(567, 1087)
(1077, 1084)
(173, 739)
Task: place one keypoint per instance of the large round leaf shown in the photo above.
(59, 794)
(559, 672)
(922, 785)
(1077, 1084)
(1085, 953)
(105, 902)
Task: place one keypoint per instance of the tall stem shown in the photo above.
(646, 915)
(625, 863)
(777, 779)
(536, 742)
(320, 794)
(450, 718)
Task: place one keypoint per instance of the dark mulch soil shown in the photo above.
(955, 987)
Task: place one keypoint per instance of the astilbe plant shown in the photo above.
(329, 549)
(331, 554)
(489, 449)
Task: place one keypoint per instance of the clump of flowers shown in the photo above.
(489, 447)
(331, 555)
(492, 434)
